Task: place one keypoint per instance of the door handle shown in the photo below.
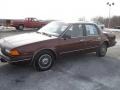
(81, 40)
(99, 38)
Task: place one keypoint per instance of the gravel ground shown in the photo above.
(73, 72)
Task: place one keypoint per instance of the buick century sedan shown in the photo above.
(42, 48)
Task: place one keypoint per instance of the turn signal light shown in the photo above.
(14, 52)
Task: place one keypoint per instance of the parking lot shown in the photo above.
(74, 72)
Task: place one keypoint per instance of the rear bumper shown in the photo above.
(4, 58)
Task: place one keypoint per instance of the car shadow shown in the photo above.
(64, 63)
(62, 60)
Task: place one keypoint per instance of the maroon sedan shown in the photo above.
(43, 47)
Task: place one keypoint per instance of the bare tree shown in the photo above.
(114, 22)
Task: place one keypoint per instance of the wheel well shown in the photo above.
(51, 51)
(106, 42)
(21, 25)
(54, 54)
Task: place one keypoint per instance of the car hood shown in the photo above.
(23, 39)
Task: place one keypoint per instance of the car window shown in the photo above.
(91, 30)
(54, 28)
(34, 19)
(75, 30)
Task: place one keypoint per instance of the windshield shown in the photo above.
(54, 28)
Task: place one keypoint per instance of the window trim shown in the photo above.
(71, 26)
(60, 36)
(96, 28)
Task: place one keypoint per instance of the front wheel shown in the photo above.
(102, 50)
(43, 61)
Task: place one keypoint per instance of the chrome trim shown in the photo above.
(65, 31)
(71, 36)
(20, 60)
(77, 50)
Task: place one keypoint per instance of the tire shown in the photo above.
(38, 28)
(102, 50)
(20, 27)
(16, 28)
(43, 61)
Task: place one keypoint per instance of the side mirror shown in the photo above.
(65, 36)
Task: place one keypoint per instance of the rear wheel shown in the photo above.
(43, 61)
(20, 27)
(16, 28)
(102, 50)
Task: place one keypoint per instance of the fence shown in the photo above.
(5, 22)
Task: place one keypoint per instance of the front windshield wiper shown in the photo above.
(47, 34)
(39, 32)
(44, 33)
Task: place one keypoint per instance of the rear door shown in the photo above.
(92, 37)
(28, 23)
(75, 42)
(36, 23)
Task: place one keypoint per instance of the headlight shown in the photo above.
(1, 41)
(7, 50)
(13, 52)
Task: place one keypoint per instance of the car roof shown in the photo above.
(77, 22)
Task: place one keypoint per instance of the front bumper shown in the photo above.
(4, 58)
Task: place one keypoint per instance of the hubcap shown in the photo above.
(103, 50)
(21, 27)
(45, 61)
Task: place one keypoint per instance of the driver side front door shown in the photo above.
(76, 42)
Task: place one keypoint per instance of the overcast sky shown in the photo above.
(56, 9)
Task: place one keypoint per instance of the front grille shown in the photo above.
(2, 50)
